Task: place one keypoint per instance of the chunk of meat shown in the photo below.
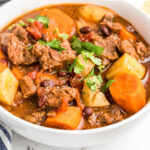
(28, 88)
(53, 96)
(108, 21)
(127, 47)
(75, 81)
(105, 116)
(110, 46)
(20, 33)
(142, 50)
(52, 59)
(36, 117)
(16, 50)
(19, 98)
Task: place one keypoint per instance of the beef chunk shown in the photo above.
(110, 46)
(105, 116)
(108, 21)
(19, 98)
(28, 88)
(20, 33)
(16, 50)
(142, 50)
(36, 117)
(75, 81)
(127, 47)
(52, 97)
(52, 59)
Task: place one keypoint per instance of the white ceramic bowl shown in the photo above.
(83, 138)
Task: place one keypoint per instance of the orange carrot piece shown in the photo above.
(60, 20)
(3, 61)
(17, 73)
(66, 120)
(126, 35)
(128, 92)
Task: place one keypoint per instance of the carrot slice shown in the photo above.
(60, 20)
(128, 92)
(17, 73)
(3, 61)
(126, 35)
(69, 119)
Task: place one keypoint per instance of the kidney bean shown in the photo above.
(46, 83)
(62, 73)
(105, 30)
(42, 100)
(87, 111)
(85, 29)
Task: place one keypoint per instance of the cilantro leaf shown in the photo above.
(55, 44)
(79, 46)
(77, 66)
(30, 47)
(101, 67)
(90, 55)
(94, 82)
(106, 86)
(21, 23)
(64, 36)
(30, 20)
(76, 44)
(43, 19)
(11, 27)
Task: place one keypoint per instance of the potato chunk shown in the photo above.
(93, 98)
(126, 64)
(8, 86)
(88, 65)
(100, 100)
(93, 13)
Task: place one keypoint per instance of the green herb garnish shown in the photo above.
(55, 44)
(77, 66)
(11, 27)
(30, 47)
(79, 46)
(94, 82)
(43, 19)
(21, 23)
(64, 36)
(30, 20)
(106, 86)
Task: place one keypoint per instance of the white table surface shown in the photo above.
(136, 139)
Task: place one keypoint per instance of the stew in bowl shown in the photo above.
(73, 66)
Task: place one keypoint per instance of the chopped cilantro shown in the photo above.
(11, 27)
(64, 36)
(77, 66)
(21, 23)
(30, 47)
(79, 46)
(90, 55)
(55, 44)
(106, 86)
(43, 19)
(92, 83)
(101, 67)
(31, 20)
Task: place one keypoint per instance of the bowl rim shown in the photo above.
(77, 132)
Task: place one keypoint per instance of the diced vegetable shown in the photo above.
(88, 65)
(128, 92)
(93, 98)
(126, 35)
(17, 73)
(99, 100)
(66, 26)
(93, 13)
(8, 86)
(126, 64)
(3, 61)
(66, 120)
